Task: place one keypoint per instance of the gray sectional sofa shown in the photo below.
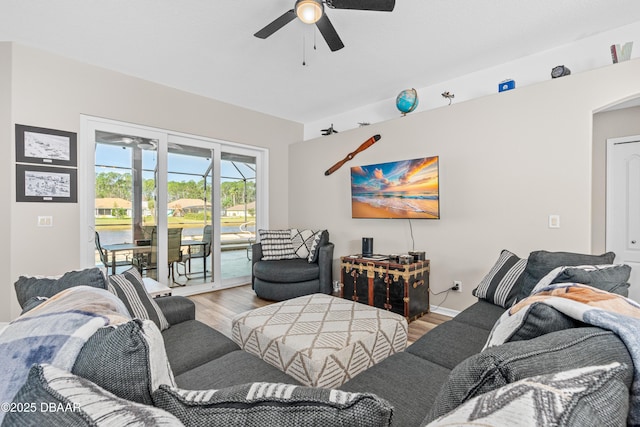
(448, 368)
(411, 380)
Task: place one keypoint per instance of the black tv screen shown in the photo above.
(402, 189)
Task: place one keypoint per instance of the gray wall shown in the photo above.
(52, 92)
(507, 161)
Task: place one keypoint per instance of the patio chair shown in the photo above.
(203, 252)
(174, 253)
(104, 256)
(249, 235)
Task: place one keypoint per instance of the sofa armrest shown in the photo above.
(325, 262)
(177, 309)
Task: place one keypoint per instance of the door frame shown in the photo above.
(611, 143)
(86, 195)
(86, 175)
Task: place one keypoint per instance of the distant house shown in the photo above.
(109, 207)
(182, 206)
(239, 210)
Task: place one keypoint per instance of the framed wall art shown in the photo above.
(45, 146)
(400, 189)
(46, 184)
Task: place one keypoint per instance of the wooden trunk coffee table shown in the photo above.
(320, 340)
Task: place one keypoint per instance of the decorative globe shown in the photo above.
(407, 101)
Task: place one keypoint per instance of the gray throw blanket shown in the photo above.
(589, 305)
(46, 335)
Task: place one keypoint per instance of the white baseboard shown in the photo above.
(444, 311)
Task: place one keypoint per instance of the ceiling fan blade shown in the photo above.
(377, 5)
(329, 33)
(277, 23)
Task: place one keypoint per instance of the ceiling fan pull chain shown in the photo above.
(304, 52)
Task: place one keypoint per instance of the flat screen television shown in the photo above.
(402, 189)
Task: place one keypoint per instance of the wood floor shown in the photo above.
(217, 308)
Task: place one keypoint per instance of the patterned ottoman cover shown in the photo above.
(320, 340)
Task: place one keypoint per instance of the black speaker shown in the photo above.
(367, 246)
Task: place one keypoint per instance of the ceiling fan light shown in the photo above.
(309, 11)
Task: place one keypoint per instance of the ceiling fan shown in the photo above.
(312, 12)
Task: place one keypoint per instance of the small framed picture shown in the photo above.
(45, 146)
(46, 184)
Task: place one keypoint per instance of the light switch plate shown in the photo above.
(554, 221)
(45, 221)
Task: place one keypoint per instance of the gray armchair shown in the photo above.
(289, 278)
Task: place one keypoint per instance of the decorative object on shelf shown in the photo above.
(560, 71)
(407, 101)
(448, 95)
(620, 54)
(312, 12)
(368, 143)
(329, 130)
(505, 85)
(405, 259)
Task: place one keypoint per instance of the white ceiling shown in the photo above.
(208, 47)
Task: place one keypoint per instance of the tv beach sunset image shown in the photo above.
(402, 189)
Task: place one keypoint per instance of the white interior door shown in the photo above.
(623, 205)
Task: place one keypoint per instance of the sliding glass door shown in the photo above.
(239, 215)
(181, 209)
(191, 209)
(125, 208)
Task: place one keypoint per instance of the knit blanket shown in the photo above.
(54, 333)
(589, 305)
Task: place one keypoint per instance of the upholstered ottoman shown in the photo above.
(320, 340)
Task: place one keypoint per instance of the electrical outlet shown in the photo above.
(45, 221)
(554, 221)
(457, 285)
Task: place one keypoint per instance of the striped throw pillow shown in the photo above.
(55, 397)
(129, 287)
(272, 404)
(276, 245)
(503, 282)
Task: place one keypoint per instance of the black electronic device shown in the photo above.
(367, 246)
